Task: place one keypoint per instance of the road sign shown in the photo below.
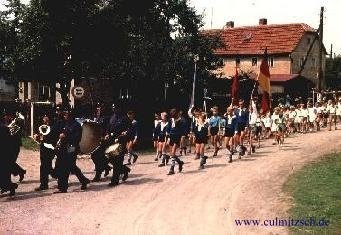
(78, 92)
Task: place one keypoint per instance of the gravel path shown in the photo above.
(150, 202)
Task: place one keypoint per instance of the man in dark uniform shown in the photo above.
(46, 154)
(98, 155)
(15, 144)
(67, 150)
(5, 161)
(117, 130)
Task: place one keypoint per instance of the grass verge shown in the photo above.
(30, 144)
(316, 192)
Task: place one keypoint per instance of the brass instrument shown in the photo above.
(44, 130)
(16, 125)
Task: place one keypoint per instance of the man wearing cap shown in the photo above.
(46, 155)
(5, 160)
(67, 150)
(117, 130)
(98, 156)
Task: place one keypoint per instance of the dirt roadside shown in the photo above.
(150, 202)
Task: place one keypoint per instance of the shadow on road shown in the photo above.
(143, 181)
(27, 195)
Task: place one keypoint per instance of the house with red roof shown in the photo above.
(293, 53)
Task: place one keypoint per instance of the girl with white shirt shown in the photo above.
(331, 109)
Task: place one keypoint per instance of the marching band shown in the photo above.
(239, 131)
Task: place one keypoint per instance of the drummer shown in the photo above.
(117, 130)
(98, 156)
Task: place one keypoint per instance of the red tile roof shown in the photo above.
(252, 40)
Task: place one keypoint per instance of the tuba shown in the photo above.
(44, 130)
(16, 125)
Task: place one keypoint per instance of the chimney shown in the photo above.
(229, 24)
(263, 21)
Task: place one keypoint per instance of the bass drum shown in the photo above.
(91, 137)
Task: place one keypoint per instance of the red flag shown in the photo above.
(235, 89)
(264, 83)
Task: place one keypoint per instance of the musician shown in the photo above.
(98, 156)
(117, 130)
(67, 151)
(46, 154)
(56, 129)
(174, 140)
(132, 136)
(5, 160)
(201, 137)
(15, 143)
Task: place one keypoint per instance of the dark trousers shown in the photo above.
(100, 161)
(46, 158)
(16, 168)
(5, 175)
(66, 164)
(118, 168)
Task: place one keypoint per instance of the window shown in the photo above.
(237, 62)
(254, 61)
(271, 62)
(313, 62)
(44, 92)
(302, 61)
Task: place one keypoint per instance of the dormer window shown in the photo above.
(254, 61)
(271, 62)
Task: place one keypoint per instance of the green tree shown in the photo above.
(333, 72)
(141, 42)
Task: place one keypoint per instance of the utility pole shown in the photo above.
(320, 77)
(331, 51)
